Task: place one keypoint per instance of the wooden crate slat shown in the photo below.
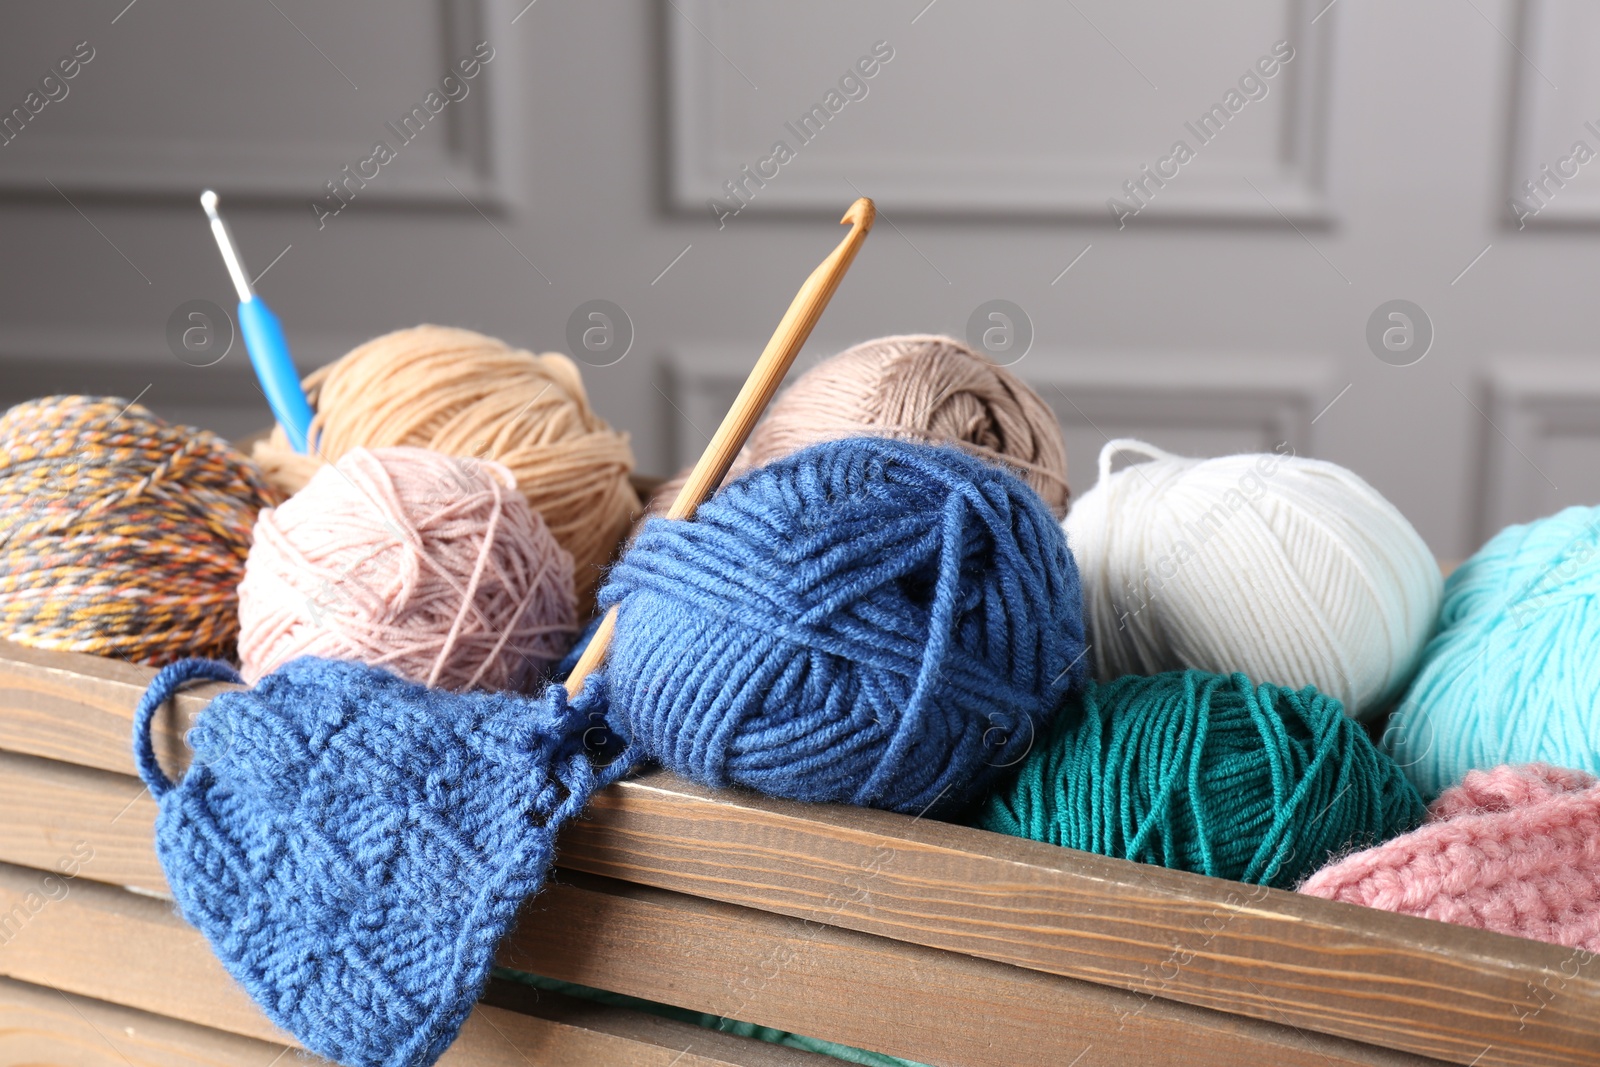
(42, 1025)
(109, 944)
(57, 816)
(727, 960)
(79, 709)
(556, 1031)
(132, 951)
(886, 995)
(1461, 995)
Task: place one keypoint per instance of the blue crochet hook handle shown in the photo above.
(263, 339)
(753, 398)
(269, 353)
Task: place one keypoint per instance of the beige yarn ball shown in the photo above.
(466, 394)
(916, 387)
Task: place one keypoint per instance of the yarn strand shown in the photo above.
(464, 394)
(866, 621)
(121, 534)
(162, 688)
(406, 558)
(1207, 773)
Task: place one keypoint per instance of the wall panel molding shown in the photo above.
(1551, 81)
(465, 157)
(225, 397)
(1040, 179)
(1540, 407)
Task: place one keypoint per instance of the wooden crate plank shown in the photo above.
(716, 958)
(109, 944)
(79, 709)
(556, 1031)
(39, 1025)
(1465, 996)
(128, 950)
(56, 817)
(923, 1004)
(1461, 995)
(42, 1025)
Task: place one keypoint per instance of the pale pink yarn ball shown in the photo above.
(431, 566)
(1515, 850)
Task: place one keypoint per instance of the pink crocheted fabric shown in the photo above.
(1515, 850)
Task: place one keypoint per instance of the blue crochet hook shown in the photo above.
(263, 338)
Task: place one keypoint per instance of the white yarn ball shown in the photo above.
(1292, 570)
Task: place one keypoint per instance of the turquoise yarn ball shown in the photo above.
(1513, 674)
(1208, 773)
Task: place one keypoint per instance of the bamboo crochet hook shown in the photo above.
(752, 400)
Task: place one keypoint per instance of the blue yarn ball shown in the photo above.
(867, 621)
(1513, 674)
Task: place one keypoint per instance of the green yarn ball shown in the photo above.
(1208, 773)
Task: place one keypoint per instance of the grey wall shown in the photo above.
(1228, 313)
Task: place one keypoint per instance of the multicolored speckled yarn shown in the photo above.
(121, 534)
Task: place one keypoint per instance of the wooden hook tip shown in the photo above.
(861, 214)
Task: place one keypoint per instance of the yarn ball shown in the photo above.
(918, 387)
(1288, 569)
(1510, 850)
(1513, 675)
(465, 394)
(426, 564)
(354, 846)
(866, 621)
(121, 534)
(1209, 773)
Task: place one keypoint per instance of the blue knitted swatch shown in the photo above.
(354, 845)
(867, 621)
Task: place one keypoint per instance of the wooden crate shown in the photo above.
(934, 942)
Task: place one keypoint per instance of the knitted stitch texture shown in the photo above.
(1515, 850)
(354, 845)
(867, 621)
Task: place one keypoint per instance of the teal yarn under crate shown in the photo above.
(766, 1034)
(1208, 773)
(1513, 674)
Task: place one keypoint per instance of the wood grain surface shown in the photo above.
(39, 1025)
(131, 951)
(79, 709)
(923, 1004)
(1460, 995)
(773, 970)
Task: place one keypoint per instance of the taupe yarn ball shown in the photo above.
(916, 387)
(462, 393)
